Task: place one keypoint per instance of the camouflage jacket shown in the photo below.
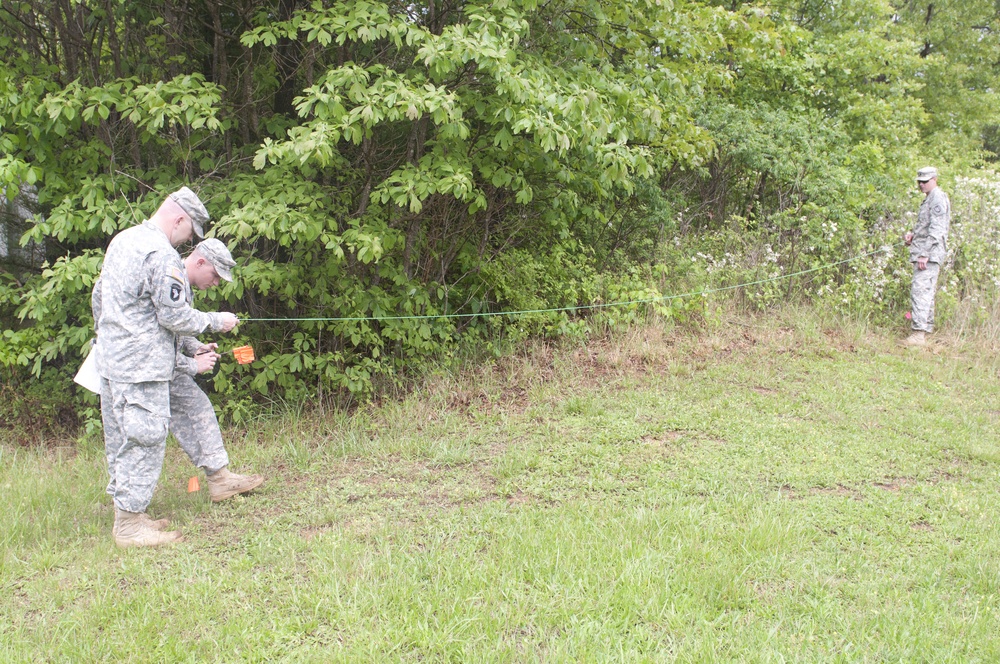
(140, 308)
(931, 232)
(187, 346)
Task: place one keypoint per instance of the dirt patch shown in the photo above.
(894, 483)
(943, 476)
(791, 493)
(443, 499)
(511, 398)
(601, 364)
(518, 498)
(839, 490)
(309, 533)
(212, 527)
(664, 439)
(788, 492)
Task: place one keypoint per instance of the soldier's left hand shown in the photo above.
(206, 361)
(922, 263)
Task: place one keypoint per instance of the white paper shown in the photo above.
(87, 376)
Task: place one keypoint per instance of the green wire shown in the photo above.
(584, 307)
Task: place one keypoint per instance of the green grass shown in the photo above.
(772, 492)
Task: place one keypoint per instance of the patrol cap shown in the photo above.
(216, 253)
(190, 203)
(926, 173)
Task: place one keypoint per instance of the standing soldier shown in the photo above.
(140, 308)
(928, 248)
(192, 418)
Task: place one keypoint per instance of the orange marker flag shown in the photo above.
(193, 485)
(244, 354)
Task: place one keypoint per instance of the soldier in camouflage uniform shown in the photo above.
(192, 418)
(928, 248)
(140, 308)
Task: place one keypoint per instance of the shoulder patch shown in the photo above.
(175, 293)
(176, 273)
(938, 209)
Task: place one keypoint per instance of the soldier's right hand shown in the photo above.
(908, 238)
(229, 321)
(206, 361)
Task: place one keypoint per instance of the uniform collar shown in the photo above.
(151, 225)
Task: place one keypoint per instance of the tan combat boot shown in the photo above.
(224, 484)
(916, 338)
(137, 529)
(155, 524)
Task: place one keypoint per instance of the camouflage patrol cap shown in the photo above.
(926, 173)
(216, 253)
(190, 203)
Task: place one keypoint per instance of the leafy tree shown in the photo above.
(378, 166)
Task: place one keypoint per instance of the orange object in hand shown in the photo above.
(193, 485)
(244, 354)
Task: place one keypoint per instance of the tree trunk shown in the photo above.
(286, 59)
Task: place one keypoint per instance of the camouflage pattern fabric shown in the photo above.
(192, 418)
(930, 234)
(922, 291)
(135, 417)
(930, 239)
(195, 426)
(185, 363)
(140, 307)
(187, 346)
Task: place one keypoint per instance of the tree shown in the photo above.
(372, 162)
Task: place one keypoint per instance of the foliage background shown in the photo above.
(368, 160)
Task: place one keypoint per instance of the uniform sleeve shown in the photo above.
(189, 345)
(165, 281)
(95, 303)
(940, 219)
(185, 365)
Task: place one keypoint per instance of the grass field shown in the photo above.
(772, 491)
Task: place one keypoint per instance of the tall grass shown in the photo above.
(781, 487)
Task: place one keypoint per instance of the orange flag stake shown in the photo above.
(193, 485)
(244, 354)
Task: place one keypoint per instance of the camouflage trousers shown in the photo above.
(195, 426)
(135, 417)
(922, 291)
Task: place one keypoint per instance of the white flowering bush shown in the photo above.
(974, 241)
(971, 278)
(856, 266)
